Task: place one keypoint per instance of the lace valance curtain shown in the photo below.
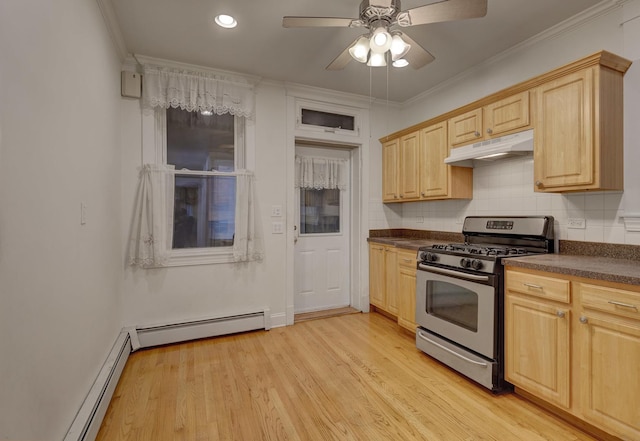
(320, 173)
(197, 91)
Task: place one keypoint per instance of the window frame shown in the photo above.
(155, 130)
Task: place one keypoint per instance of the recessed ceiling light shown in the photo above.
(226, 21)
(400, 63)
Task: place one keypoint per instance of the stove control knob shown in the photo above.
(431, 257)
(476, 264)
(465, 262)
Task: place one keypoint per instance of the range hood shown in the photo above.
(493, 149)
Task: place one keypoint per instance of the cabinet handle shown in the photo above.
(560, 314)
(583, 320)
(531, 285)
(624, 305)
(539, 184)
(477, 134)
(407, 260)
(401, 196)
(489, 131)
(395, 196)
(422, 194)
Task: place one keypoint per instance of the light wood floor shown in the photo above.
(350, 377)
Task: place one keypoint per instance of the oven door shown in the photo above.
(460, 310)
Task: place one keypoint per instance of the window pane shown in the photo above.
(204, 211)
(326, 119)
(319, 211)
(200, 142)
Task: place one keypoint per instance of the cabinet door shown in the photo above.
(407, 298)
(465, 128)
(609, 373)
(377, 275)
(391, 282)
(408, 176)
(507, 114)
(434, 149)
(390, 163)
(537, 344)
(563, 143)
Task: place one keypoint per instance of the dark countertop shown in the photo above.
(591, 267)
(406, 243)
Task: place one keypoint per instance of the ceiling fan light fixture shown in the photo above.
(400, 63)
(360, 49)
(399, 47)
(380, 41)
(377, 60)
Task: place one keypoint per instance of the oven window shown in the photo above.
(453, 303)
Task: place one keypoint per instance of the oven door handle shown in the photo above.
(444, 348)
(449, 272)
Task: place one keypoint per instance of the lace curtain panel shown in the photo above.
(248, 243)
(320, 173)
(197, 91)
(152, 224)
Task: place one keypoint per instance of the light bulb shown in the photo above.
(377, 60)
(360, 49)
(401, 62)
(380, 41)
(226, 21)
(398, 47)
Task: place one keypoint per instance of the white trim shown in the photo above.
(111, 22)
(87, 422)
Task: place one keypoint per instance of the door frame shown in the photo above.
(359, 222)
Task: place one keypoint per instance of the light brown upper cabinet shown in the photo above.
(390, 164)
(409, 173)
(437, 179)
(498, 118)
(578, 142)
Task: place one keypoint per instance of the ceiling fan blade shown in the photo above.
(316, 22)
(417, 56)
(443, 11)
(341, 60)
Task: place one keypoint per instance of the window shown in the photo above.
(204, 205)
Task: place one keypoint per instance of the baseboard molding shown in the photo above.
(157, 335)
(87, 422)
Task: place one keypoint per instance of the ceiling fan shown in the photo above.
(379, 17)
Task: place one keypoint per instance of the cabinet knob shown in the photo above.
(539, 184)
(401, 196)
(583, 320)
(560, 314)
(395, 196)
(422, 194)
(477, 134)
(489, 131)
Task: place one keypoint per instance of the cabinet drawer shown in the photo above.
(538, 286)
(407, 259)
(612, 300)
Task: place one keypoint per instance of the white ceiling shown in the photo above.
(184, 31)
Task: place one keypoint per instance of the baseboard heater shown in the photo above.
(87, 422)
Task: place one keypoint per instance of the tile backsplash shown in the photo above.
(505, 187)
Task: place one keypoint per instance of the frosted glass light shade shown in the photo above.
(360, 50)
(377, 60)
(380, 41)
(398, 47)
(400, 63)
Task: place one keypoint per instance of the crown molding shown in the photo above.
(111, 21)
(602, 8)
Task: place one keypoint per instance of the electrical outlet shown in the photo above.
(277, 227)
(419, 220)
(576, 223)
(83, 213)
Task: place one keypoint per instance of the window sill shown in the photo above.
(203, 256)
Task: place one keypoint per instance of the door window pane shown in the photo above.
(453, 303)
(319, 211)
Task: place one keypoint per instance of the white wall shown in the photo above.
(506, 187)
(60, 281)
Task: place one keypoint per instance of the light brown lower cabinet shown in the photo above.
(392, 282)
(575, 344)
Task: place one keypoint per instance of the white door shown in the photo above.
(322, 254)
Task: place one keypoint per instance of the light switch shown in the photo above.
(276, 211)
(83, 213)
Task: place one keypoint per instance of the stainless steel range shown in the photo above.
(460, 297)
